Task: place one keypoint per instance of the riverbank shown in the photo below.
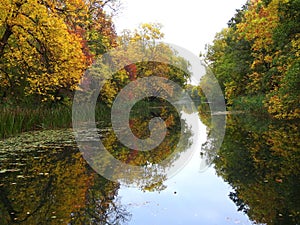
(18, 119)
(15, 120)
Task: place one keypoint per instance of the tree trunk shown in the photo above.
(4, 39)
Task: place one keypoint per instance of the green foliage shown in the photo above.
(256, 59)
(260, 159)
(142, 43)
(253, 104)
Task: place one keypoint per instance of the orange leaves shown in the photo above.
(80, 34)
(132, 71)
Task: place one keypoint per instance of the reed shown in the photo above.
(14, 120)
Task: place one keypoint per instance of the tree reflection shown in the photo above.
(154, 173)
(260, 159)
(45, 180)
(55, 186)
(102, 205)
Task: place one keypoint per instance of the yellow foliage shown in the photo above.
(258, 25)
(230, 90)
(41, 55)
(296, 45)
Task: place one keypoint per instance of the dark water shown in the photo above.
(254, 177)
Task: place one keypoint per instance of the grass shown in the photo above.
(15, 120)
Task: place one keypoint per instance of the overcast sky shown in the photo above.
(190, 23)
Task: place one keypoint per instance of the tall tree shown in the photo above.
(46, 45)
(256, 59)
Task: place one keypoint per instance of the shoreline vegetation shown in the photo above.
(256, 59)
(15, 120)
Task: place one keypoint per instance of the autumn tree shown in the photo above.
(283, 101)
(154, 59)
(38, 54)
(256, 58)
(46, 45)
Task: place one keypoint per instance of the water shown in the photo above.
(255, 177)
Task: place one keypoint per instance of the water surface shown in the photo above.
(255, 177)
